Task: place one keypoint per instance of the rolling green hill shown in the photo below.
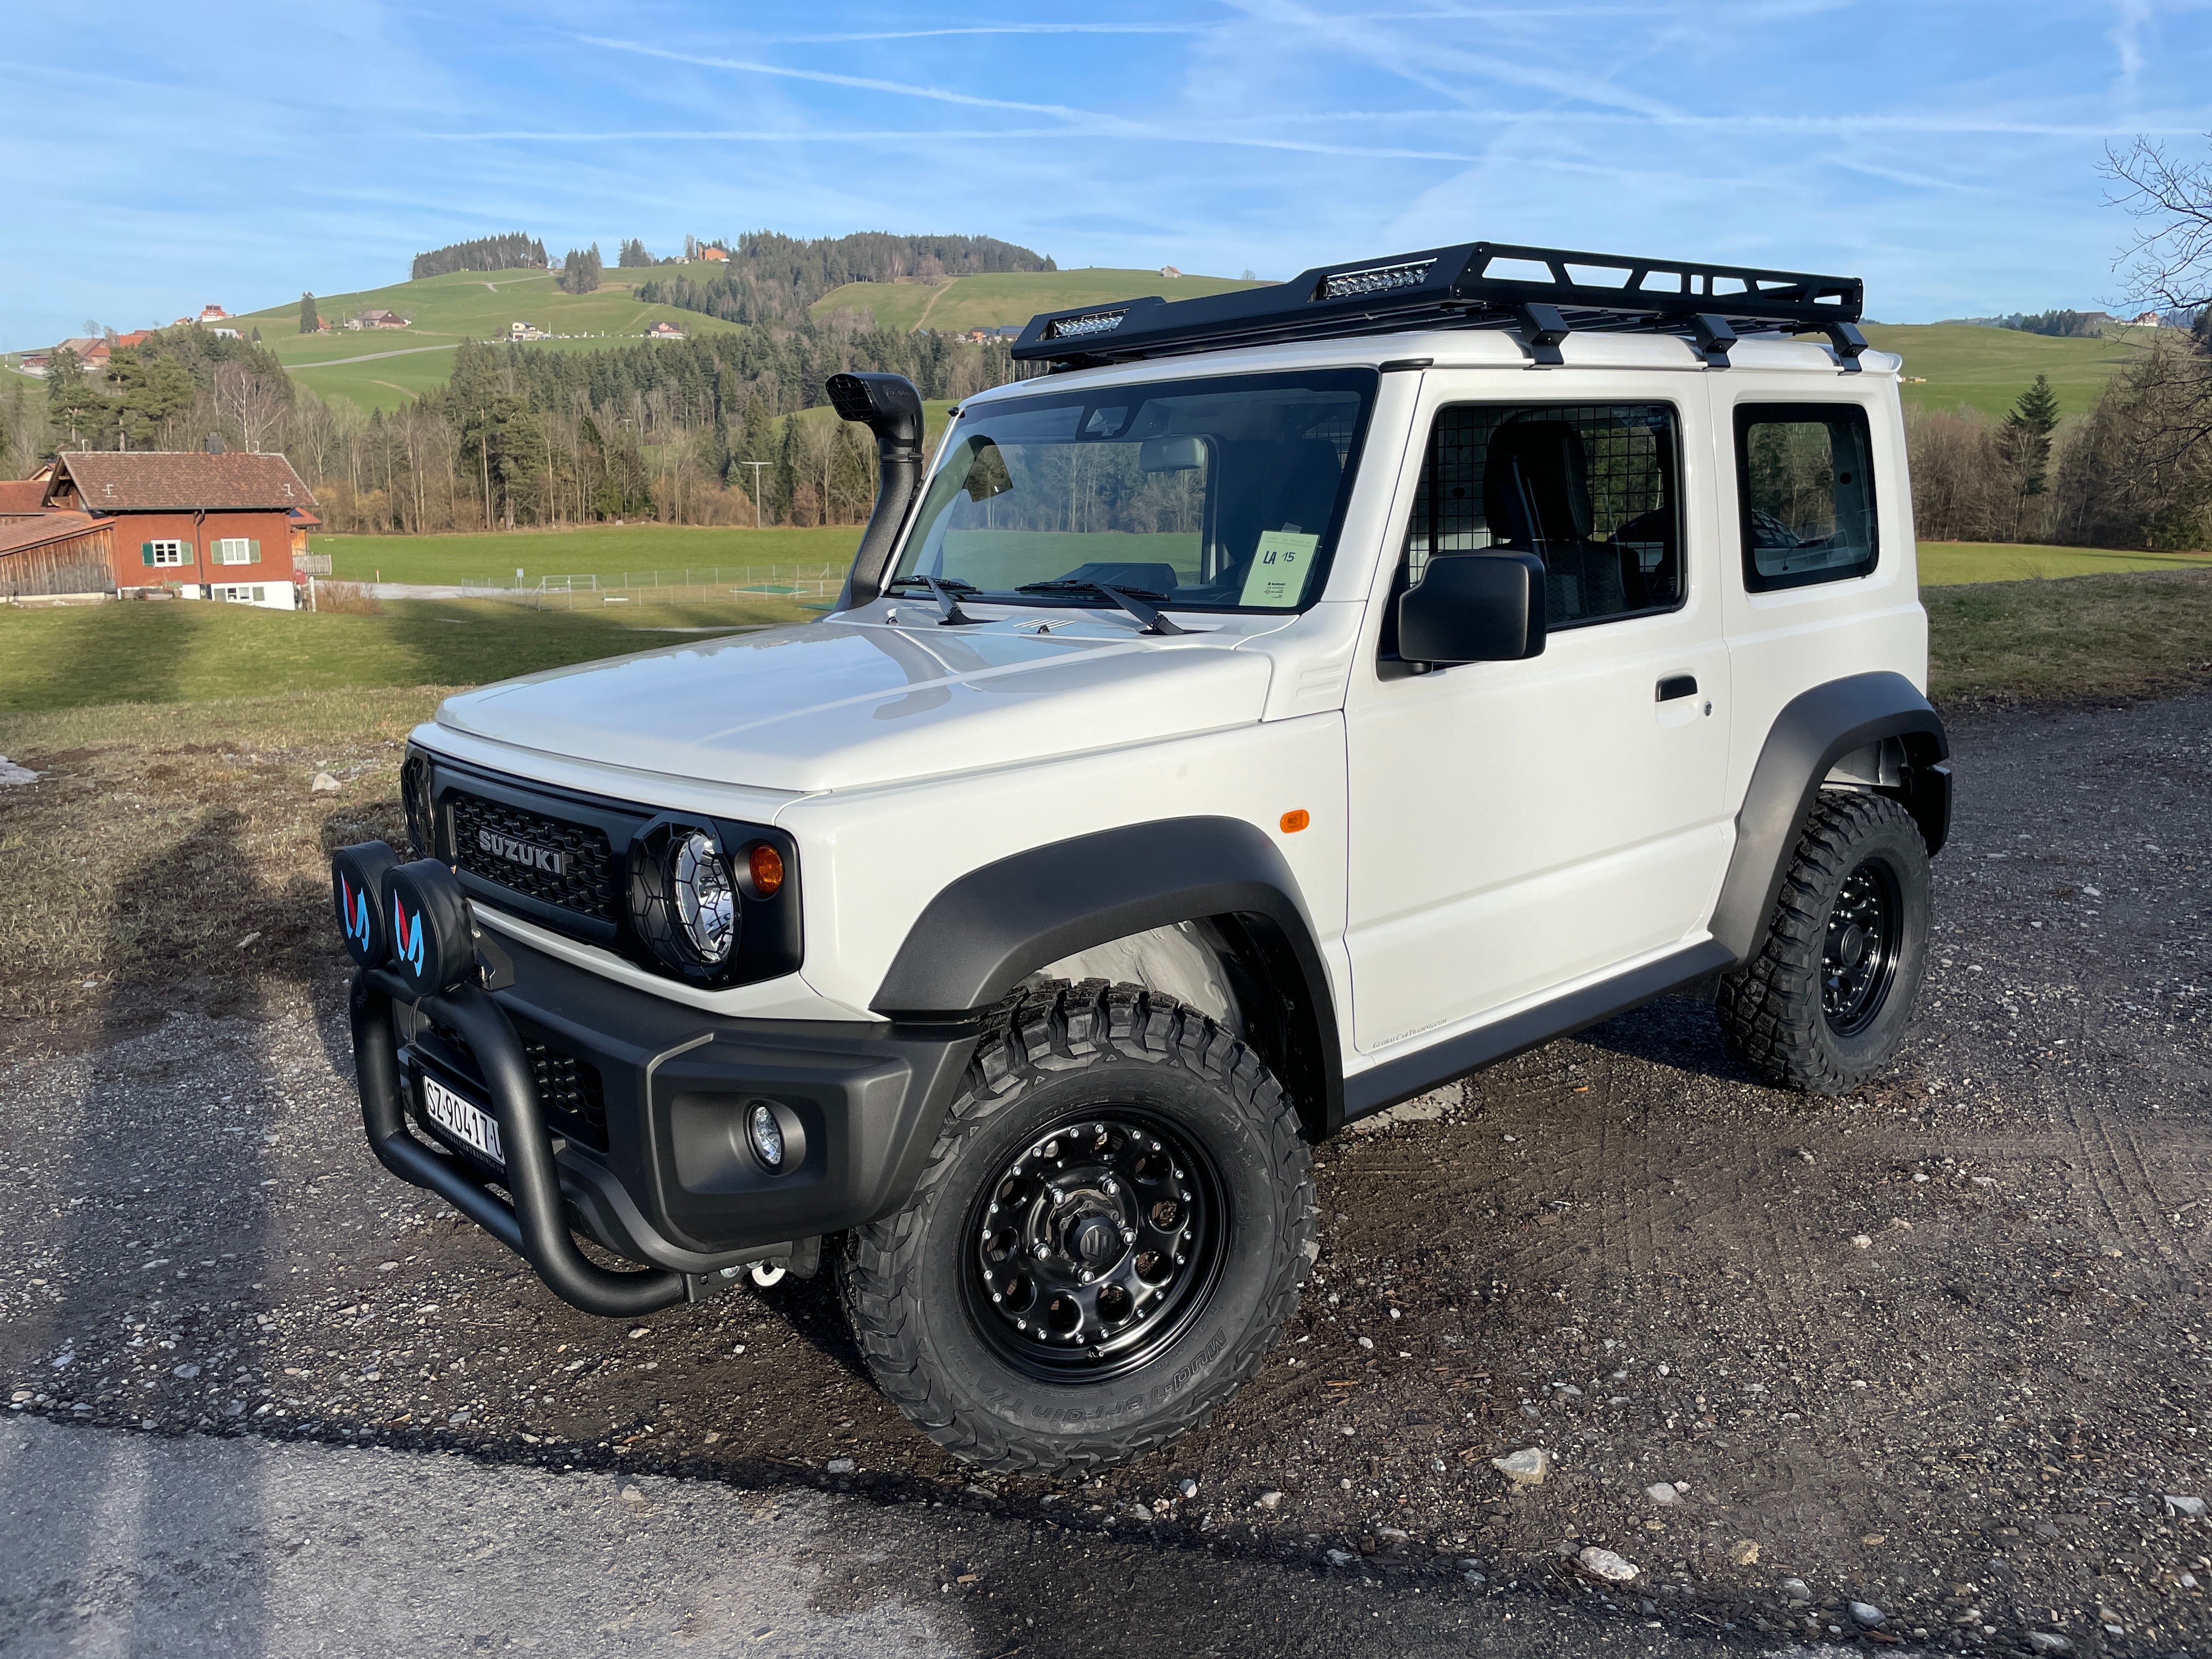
(1006, 300)
(383, 368)
(1948, 364)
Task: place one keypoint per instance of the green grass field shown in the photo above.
(1947, 564)
(601, 550)
(185, 652)
(1006, 300)
(403, 363)
(1988, 368)
(609, 552)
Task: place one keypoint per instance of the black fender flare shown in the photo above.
(1814, 730)
(989, 929)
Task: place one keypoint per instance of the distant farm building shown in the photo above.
(716, 254)
(374, 319)
(663, 330)
(525, 332)
(208, 524)
(1169, 270)
(212, 314)
(90, 353)
(137, 336)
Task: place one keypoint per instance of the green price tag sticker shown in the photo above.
(1277, 579)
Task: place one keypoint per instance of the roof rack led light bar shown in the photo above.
(1546, 294)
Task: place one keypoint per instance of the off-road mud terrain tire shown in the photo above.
(1771, 1010)
(1064, 1050)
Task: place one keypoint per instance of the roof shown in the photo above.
(21, 495)
(18, 534)
(82, 346)
(147, 480)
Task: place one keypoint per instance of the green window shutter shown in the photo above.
(146, 554)
(253, 552)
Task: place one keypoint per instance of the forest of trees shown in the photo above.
(772, 278)
(658, 430)
(512, 251)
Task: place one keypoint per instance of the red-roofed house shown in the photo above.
(212, 314)
(89, 351)
(214, 526)
(135, 338)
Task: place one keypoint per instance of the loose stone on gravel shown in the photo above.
(1662, 1491)
(1525, 1468)
(1605, 1564)
(2049, 1642)
(1866, 1615)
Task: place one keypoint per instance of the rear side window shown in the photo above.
(1805, 478)
(1590, 489)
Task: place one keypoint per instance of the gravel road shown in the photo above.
(1938, 1349)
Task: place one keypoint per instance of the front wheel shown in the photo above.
(1822, 1004)
(1115, 1221)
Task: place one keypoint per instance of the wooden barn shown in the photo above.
(57, 555)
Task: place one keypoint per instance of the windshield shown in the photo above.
(1213, 495)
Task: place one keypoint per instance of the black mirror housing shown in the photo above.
(1474, 607)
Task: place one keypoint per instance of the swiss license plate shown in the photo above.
(463, 1119)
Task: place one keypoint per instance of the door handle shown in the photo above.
(1677, 685)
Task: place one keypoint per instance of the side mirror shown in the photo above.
(1474, 607)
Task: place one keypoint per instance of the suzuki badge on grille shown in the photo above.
(522, 852)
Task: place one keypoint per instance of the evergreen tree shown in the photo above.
(309, 322)
(581, 271)
(152, 396)
(2024, 440)
(77, 408)
(633, 254)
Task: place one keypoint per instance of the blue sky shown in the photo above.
(167, 156)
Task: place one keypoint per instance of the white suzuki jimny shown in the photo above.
(1290, 701)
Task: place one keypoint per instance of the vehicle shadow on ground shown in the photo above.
(132, 1265)
(1680, 1031)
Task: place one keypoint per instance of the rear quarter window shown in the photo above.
(1805, 490)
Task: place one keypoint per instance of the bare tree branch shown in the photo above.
(2168, 259)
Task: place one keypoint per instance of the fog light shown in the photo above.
(767, 1135)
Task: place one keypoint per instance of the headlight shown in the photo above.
(706, 904)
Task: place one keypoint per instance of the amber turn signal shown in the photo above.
(766, 869)
(1295, 820)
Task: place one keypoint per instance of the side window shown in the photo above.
(1593, 489)
(1805, 482)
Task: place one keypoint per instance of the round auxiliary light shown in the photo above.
(766, 1133)
(765, 864)
(706, 904)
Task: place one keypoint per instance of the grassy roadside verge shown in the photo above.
(2091, 639)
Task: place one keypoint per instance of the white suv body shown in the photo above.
(1434, 864)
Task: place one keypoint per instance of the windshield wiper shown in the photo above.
(954, 616)
(1131, 599)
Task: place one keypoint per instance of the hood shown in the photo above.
(839, 705)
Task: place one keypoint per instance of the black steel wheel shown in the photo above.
(1096, 1245)
(1858, 954)
(1823, 1003)
(1110, 1228)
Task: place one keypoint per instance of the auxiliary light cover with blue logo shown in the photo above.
(358, 877)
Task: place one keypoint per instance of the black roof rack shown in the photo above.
(1463, 287)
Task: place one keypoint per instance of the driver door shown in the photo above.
(1520, 828)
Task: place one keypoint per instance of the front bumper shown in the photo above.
(622, 1116)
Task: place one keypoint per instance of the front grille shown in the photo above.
(569, 1089)
(583, 881)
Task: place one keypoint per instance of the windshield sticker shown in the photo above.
(1277, 579)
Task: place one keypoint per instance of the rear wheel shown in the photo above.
(1113, 1224)
(1823, 1003)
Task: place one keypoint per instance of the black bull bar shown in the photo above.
(534, 1225)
